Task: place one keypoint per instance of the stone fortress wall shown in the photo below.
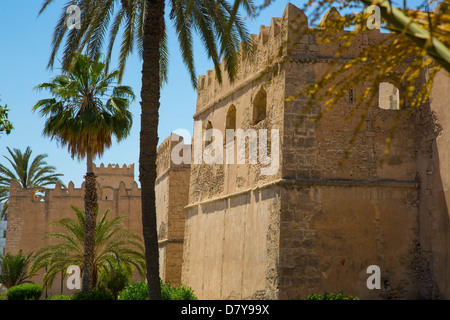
(315, 225)
(172, 189)
(31, 211)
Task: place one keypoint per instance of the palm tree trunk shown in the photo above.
(150, 94)
(90, 206)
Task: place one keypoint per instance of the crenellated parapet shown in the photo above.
(44, 194)
(32, 212)
(114, 169)
(288, 37)
(163, 156)
(113, 174)
(268, 48)
(164, 160)
(39, 195)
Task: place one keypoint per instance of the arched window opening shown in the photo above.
(259, 106)
(209, 136)
(231, 118)
(388, 96)
(39, 195)
(107, 194)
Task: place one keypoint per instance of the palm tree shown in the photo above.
(86, 110)
(115, 276)
(221, 30)
(30, 173)
(113, 243)
(14, 269)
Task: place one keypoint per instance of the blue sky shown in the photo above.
(25, 44)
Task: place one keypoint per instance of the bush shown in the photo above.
(176, 293)
(331, 296)
(134, 291)
(93, 295)
(114, 277)
(15, 269)
(28, 291)
(60, 297)
(139, 291)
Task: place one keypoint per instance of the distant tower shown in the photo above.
(112, 175)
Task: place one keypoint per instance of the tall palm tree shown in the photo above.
(30, 173)
(86, 110)
(113, 243)
(221, 30)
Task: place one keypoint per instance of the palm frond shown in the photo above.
(87, 108)
(14, 269)
(112, 240)
(30, 173)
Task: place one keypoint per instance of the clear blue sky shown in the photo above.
(25, 44)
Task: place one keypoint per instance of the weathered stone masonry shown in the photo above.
(29, 214)
(316, 225)
(230, 232)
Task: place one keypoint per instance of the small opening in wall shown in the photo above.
(39, 195)
(107, 194)
(259, 106)
(388, 96)
(231, 118)
(209, 138)
(350, 96)
(230, 123)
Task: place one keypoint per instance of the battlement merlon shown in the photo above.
(286, 37)
(164, 160)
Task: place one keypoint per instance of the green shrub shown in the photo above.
(114, 277)
(134, 291)
(27, 291)
(139, 291)
(93, 295)
(15, 269)
(176, 293)
(331, 296)
(60, 297)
